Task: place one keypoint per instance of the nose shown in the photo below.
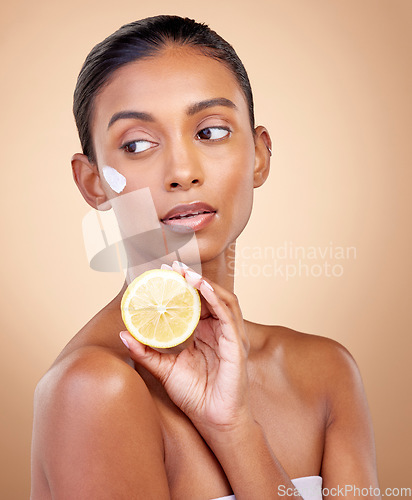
(183, 169)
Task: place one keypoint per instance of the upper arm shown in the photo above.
(99, 433)
(349, 452)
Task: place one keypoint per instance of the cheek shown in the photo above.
(140, 180)
(238, 192)
(115, 180)
(240, 175)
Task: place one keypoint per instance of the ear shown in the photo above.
(87, 178)
(263, 152)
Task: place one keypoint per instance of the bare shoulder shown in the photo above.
(322, 371)
(91, 370)
(314, 360)
(323, 355)
(95, 425)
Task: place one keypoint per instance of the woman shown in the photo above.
(166, 104)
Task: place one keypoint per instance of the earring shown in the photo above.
(270, 151)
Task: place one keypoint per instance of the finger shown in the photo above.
(227, 297)
(232, 344)
(166, 266)
(182, 268)
(159, 365)
(179, 267)
(220, 297)
(220, 308)
(226, 318)
(225, 301)
(196, 280)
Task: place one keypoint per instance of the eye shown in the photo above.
(213, 133)
(137, 146)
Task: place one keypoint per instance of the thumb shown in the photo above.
(158, 364)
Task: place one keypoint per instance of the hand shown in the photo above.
(207, 380)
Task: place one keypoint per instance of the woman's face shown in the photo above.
(178, 123)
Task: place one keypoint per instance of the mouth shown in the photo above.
(193, 216)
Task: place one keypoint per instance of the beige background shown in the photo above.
(332, 82)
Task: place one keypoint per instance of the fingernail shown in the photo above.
(165, 266)
(193, 275)
(207, 285)
(124, 340)
(180, 264)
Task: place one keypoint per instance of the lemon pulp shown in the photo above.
(160, 308)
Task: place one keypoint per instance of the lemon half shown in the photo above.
(160, 308)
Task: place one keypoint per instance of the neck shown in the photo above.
(220, 270)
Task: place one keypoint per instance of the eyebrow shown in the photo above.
(127, 115)
(209, 103)
(191, 110)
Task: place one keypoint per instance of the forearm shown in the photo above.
(249, 464)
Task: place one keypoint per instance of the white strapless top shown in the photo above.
(309, 488)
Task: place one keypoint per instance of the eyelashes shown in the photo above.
(207, 134)
(139, 146)
(213, 133)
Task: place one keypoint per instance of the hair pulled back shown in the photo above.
(142, 39)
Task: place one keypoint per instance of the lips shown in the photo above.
(193, 216)
(188, 210)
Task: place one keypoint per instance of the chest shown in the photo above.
(294, 427)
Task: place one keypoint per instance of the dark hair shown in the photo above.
(142, 39)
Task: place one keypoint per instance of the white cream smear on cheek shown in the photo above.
(115, 179)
